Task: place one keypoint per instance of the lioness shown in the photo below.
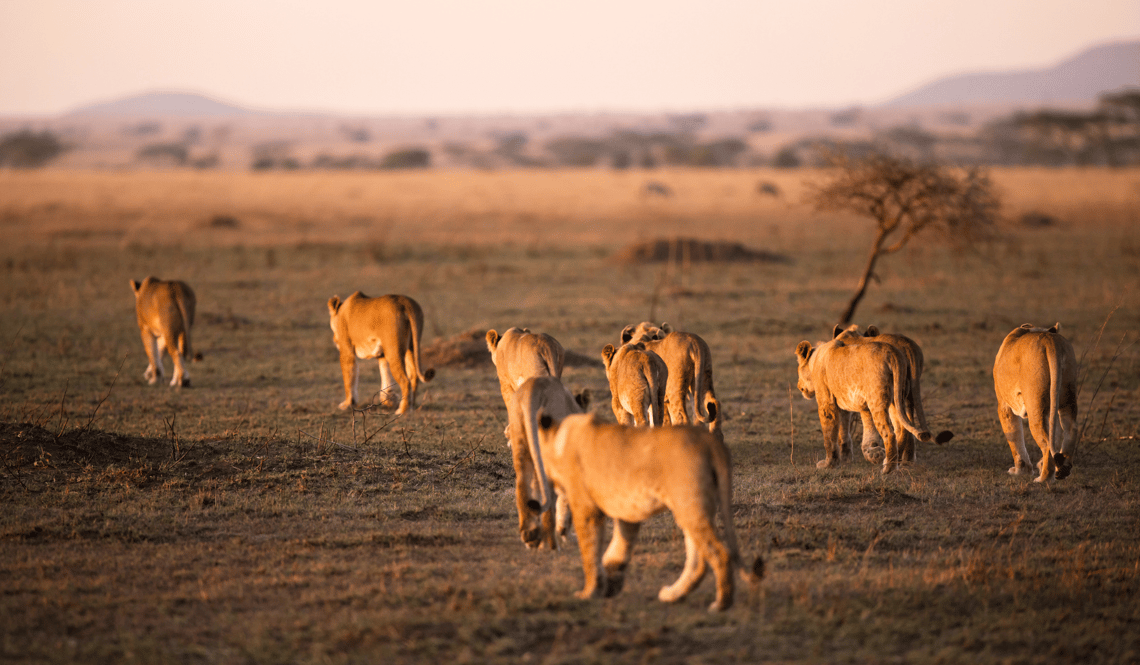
(548, 395)
(632, 473)
(518, 354)
(165, 313)
(388, 328)
(637, 384)
(1035, 378)
(689, 389)
(872, 378)
(915, 360)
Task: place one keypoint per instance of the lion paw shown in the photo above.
(874, 455)
(825, 463)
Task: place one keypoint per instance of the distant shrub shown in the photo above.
(787, 158)
(28, 150)
(406, 158)
(164, 154)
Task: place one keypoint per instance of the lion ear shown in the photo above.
(836, 330)
(135, 285)
(583, 399)
(608, 353)
(492, 340)
(666, 328)
(626, 334)
(1056, 327)
(334, 305)
(803, 350)
(872, 331)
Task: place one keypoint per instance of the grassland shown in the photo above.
(247, 520)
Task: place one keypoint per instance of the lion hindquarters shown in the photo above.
(637, 379)
(1035, 374)
(165, 313)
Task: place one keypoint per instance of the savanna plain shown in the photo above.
(247, 519)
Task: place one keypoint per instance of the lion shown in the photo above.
(388, 328)
(871, 378)
(871, 445)
(165, 313)
(518, 354)
(637, 380)
(548, 395)
(1035, 378)
(631, 474)
(689, 389)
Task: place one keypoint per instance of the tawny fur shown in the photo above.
(546, 394)
(165, 313)
(518, 354)
(387, 328)
(1035, 378)
(633, 473)
(689, 389)
(871, 378)
(637, 380)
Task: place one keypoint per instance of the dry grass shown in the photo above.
(246, 519)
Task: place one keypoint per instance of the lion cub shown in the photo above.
(1035, 378)
(388, 328)
(165, 313)
(637, 384)
(633, 473)
(518, 354)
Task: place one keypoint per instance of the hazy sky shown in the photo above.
(521, 56)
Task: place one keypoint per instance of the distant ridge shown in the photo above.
(163, 104)
(1079, 79)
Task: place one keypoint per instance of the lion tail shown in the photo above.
(1054, 399)
(901, 394)
(722, 470)
(414, 322)
(530, 427)
(184, 339)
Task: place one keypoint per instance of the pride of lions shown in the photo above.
(667, 451)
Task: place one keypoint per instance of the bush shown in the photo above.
(406, 158)
(29, 150)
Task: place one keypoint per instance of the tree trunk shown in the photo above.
(849, 313)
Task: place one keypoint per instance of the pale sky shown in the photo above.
(528, 56)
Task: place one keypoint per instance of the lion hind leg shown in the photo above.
(1014, 430)
(181, 375)
(691, 574)
(1064, 459)
(889, 425)
(1038, 427)
(154, 357)
(617, 556)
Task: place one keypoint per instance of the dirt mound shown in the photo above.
(469, 349)
(691, 249)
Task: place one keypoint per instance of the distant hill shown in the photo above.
(1078, 79)
(163, 104)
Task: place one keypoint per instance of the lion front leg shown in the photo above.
(588, 521)
(828, 422)
(350, 371)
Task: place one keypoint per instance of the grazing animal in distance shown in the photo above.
(1035, 378)
(633, 473)
(872, 378)
(387, 328)
(656, 188)
(165, 314)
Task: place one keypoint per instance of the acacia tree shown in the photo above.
(905, 198)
